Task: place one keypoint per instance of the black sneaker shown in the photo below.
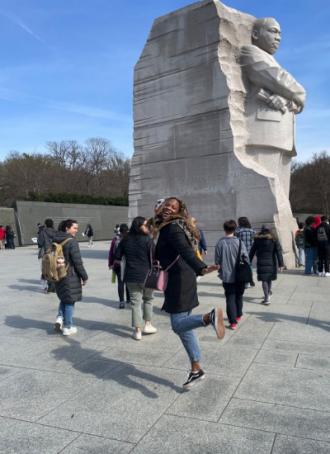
(216, 316)
(193, 379)
(122, 305)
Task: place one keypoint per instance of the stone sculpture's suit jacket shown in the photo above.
(267, 127)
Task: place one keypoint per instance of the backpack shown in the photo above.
(321, 234)
(53, 263)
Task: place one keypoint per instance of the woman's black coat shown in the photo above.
(69, 289)
(136, 249)
(181, 291)
(269, 256)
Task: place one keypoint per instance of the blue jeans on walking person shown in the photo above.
(183, 325)
(310, 254)
(66, 312)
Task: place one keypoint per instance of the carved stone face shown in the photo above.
(267, 36)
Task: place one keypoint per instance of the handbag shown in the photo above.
(243, 268)
(157, 278)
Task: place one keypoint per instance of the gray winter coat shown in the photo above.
(69, 289)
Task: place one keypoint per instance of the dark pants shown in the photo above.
(323, 255)
(234, 300)
(121, 286)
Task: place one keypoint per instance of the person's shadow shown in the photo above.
(112, 369)
(123, 373)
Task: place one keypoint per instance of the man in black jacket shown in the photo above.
(323, 246)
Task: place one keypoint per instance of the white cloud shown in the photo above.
(16, 20)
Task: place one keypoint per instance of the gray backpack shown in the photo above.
(321, 234)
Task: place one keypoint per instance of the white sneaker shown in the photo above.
(149, 329)
(320, 273)
(137, 335)
(327, 275)
(69, 331)
(58, 326)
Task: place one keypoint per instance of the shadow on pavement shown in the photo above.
(123, 373)
(27, 288)
(94, 254)
(103, 301)
(31, 281)
(17, 321)
(275, 317)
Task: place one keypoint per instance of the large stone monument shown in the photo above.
(214, 120)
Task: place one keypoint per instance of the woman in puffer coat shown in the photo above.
(269, 257)
(69, 289)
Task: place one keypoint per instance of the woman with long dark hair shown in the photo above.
(137, 248)
(176, 236)
(69, 289)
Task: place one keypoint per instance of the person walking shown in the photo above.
(323, 247)
(121, 232)
(10, 236)
(69, 289)
(137, 248)
(269, 257)
(246, 234)
(89, 232)
(2, 237)
(310, 243)
(174, 249)
(299, 240)
(226, 256)
(45, 238)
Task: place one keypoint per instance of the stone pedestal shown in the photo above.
(191, 135)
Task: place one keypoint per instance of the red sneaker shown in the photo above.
(238, 319)
(233, 326)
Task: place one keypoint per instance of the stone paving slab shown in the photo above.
(179, 435)
(23, 437)
(280, 419)
(290, 445)
(266, 389)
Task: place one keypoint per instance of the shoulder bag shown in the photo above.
(157, 278)
(243, 269)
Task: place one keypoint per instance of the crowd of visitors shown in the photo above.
(172, 240)
(7, 237)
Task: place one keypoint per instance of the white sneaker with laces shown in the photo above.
(69, 331)
(149, 329)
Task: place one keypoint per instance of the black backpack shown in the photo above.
(321, 234)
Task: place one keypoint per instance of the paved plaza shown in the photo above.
(267, 388)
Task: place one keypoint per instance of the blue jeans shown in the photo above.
(310, 254)
(183, 325)
(66, 312)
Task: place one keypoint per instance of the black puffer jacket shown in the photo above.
(269, 256)
(136, 249)
(69, 289)
(181, 291)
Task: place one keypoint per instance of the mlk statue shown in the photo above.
(274, 97)
(214, 117)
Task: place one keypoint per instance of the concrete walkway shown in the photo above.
(267, 388)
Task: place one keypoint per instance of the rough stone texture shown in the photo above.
(190, 130)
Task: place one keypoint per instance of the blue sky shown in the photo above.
(67, 67)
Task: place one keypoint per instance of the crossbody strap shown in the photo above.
(239, 252)
(174, 261)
